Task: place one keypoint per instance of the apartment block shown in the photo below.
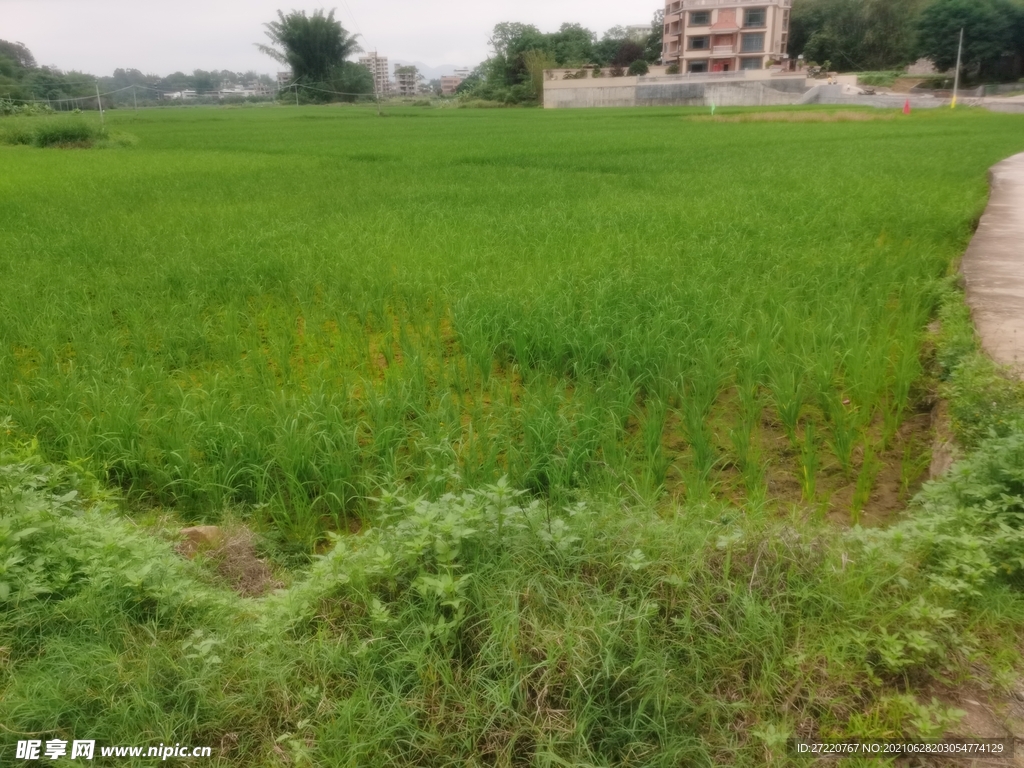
(378, 66)
(449, 83)
(725, 35)
(406, 79)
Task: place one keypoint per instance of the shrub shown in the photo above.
(672, 69)
(63, 133)
(639, 67)
(15, 134)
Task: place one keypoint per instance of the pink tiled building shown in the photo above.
(725, 35)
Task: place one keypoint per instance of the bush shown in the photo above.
(639, 67)
(61, 132)
(672, 69)
(64, 132)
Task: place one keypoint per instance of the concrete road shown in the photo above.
(993, 267)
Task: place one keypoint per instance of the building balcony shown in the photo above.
(723, 50)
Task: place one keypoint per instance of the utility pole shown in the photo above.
(99, 103)
(135, 99)
(956, 76)
(296, 94)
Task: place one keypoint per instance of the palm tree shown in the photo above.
(313, 46)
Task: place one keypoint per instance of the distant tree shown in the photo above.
(855, 34)
(627, 52)
(350, 80)
(572, 45)
(890, 33)
(510, 40)
(18, 53)
(536, 62)
(987, 35)
(313, 46)
(652, 51)
(474, 81)
(606, 48)
(205, 82)
(639, 67)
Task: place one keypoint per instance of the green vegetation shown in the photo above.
(569, 424)
(851, 35)
(50, 130)
(514, 74)
(315, 49)
(29, 88)
(992, 28)
(451, 303)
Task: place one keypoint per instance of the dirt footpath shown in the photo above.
(993, 267)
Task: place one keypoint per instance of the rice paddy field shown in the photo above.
(291, 309)
(566, 437)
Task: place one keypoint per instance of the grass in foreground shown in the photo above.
(480, 629)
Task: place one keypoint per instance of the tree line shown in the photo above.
(865, 35)
(521, 52)
(23, 79)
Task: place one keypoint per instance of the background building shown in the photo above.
(378, 66)
(725, 35)
(406, 78)
(449, 83)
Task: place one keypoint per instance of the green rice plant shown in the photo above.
(177, 349)
(843, 421)
(809, 459)
(652, 428)
(869, 468)
(787, 389)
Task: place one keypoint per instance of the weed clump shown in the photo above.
(64, 132)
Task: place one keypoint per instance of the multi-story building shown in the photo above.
(378, 66)
(406, 78)
(449, 83)
(725, 35)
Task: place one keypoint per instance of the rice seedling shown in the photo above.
(258, 309)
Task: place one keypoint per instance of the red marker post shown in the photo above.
(906, 107)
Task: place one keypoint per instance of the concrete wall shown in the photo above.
(600, 92)
(673, 91)
(833, 95)
(738, 94)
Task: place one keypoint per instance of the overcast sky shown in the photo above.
(160, 36)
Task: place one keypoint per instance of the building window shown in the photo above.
(698, 66)
(698, 43)
(752, 43)
(750, 63)
(700, 18)
(755, 17)
(785, 21)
